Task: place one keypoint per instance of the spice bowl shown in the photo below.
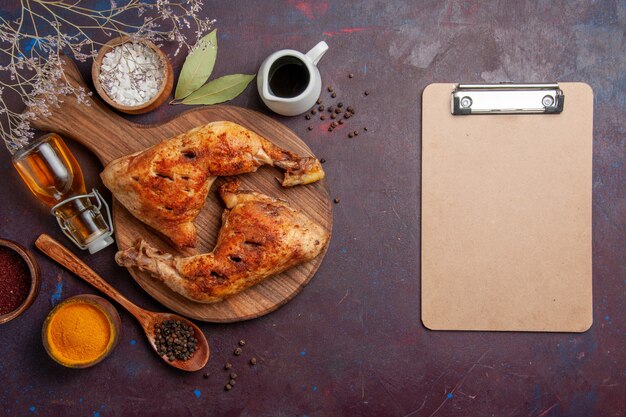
(166, 84)
(31, 271)
(81, 331)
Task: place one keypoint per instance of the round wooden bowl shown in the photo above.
(35, 280)
(105, 307)
(156, 101)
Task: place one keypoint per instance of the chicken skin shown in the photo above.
(260, 237)
(166, 185)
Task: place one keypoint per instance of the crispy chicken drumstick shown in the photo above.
(260, 237)
(166, 185)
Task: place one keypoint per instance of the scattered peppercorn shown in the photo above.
(347, 115)
(319, 101)
(175, 340)
(333, 95)
(228, 365)
(309, 128)
(322, 117)
(340, 104)
(321, 108)
(330, 129)
(330, 89)
(334, 124)
(365, 128)
(323, 161)
(367, 93)
(228, 387)
(233, 375)
(350, 134)
(350, 109)
(313, 111)
(253, 361)
(308, 117)
(336, 201)
(341, 121)
(333, 116)
(242, 342)
(331, 109)
(238, 351)
(206, 376)
(356, 133)
(350, 75)
(232, 382)
(337, 110)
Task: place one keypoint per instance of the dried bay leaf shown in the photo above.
(198, 66)
(222, 89)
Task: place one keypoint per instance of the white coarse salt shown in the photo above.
(131, 74)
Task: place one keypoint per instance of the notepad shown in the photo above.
(506, 207)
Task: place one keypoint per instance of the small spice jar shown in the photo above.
(132, 75)
(81, 331)
(19, 280)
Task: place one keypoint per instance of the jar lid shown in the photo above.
(99, 243)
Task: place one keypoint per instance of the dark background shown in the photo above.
(352, 344)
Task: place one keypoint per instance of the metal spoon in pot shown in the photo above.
(146, 318)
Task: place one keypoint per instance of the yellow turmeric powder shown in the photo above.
(78, 333)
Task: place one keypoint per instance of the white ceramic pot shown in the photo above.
(292, 106)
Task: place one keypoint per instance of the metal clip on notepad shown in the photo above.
(507, 98)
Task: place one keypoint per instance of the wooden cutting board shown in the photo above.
(110, 136)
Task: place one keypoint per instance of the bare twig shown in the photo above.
(31, 47)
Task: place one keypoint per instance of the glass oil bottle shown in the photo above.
(53, 175)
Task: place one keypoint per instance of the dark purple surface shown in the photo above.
(352, 344)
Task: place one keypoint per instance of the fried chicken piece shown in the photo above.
(166, 185)
(260, 237)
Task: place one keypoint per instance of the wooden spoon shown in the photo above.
(146, 318)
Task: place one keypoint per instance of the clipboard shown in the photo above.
(506, 207)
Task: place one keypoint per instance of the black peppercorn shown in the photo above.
(179, 342)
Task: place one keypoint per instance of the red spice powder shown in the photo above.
(14, 280)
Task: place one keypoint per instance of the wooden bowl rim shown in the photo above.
(35, 279)
(97, 62)
(103, 305)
